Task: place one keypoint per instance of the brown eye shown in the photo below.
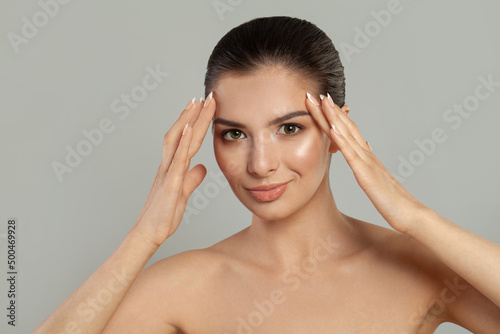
(290, 129)
(233, 134)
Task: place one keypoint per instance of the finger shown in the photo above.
(344, 125)
(172, 137)
(200, 126)
(341, 135)
(201, 102)
(353, 128)
(192, 180)
(179, 164)
(314, 108)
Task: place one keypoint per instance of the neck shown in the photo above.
(317, 227)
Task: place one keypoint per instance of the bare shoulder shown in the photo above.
(400, 248)
(440, 288)
(196, 263)
(183, 273)
(194, 272)
(184, 266)
(405, 258)
(169, 290)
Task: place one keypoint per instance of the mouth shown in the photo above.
(268, 193)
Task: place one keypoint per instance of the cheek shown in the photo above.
(308, 153)
(228, 159)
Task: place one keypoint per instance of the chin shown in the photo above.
(271, 216)
(276, 210)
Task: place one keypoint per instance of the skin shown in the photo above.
(302, 265)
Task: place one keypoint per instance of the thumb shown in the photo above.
(193, 179)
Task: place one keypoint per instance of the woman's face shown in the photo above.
(263, 134)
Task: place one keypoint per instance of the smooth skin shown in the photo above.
(302, 266)
(89, 308)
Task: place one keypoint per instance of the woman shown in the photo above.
(302, 266)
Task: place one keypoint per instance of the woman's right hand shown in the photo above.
(173, 184)
(158, 220)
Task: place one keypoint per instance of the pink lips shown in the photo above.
(268, 193)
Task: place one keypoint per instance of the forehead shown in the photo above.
(266, 93)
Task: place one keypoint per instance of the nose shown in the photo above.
(263, 158)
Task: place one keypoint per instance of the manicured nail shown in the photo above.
(335, 129)
(190, 104)
(369, 145)
(330, 99)
(312, 99)
(321, 96)
(185, 127)
(201, 99)
(209, 99)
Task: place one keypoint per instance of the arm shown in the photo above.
(89, 308)
(472, 257)
(470, 278)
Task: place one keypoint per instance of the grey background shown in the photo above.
(65, 78)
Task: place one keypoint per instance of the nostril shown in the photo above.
(262, 161)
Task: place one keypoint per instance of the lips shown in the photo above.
(267, 193)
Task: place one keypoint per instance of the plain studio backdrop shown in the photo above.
(88, 89)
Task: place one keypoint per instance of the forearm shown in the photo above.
(471, 256)
(89, 308)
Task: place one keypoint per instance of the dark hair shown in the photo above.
(295, 44)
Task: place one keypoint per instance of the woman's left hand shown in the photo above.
(398, 207)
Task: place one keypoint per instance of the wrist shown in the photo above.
(141, 238)
(423, 216)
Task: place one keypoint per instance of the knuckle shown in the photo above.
(175, 185)
(175, 160)
(197, 142)
(167, 138)
(351, 126)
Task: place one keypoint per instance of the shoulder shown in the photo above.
(405, 258)
(450, 298)
(436, 282)
(165, 292)
(185, 269)
(194, 267)
(398, 247)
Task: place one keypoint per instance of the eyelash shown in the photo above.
(300, 128)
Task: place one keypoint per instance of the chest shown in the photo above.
(319, 302)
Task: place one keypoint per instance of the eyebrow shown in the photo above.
(277, 120)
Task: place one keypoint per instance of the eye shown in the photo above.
(233, 134)
(291, 128)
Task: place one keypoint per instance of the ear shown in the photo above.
(345, 109)
(333, 147)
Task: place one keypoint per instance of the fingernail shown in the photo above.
(185, 127)
(201, 99)
(209, 99)
(312, 99)
(331, 100)
(369, 145)
(321, 96)
(335, 129)
(190, 104)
